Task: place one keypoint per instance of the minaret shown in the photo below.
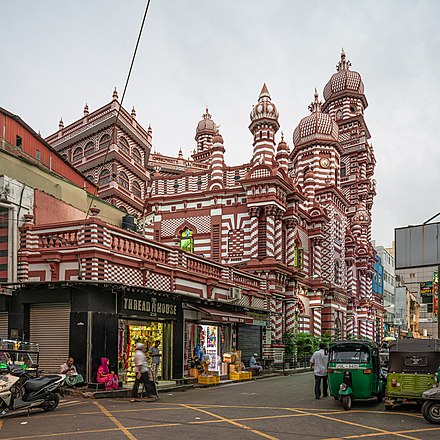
(205, 132)
(264, 125)
(217, 162)
(282, 156)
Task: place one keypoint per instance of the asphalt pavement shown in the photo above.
(275, 408)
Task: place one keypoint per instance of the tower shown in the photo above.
(264, 125)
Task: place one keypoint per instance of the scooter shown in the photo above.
(42, 392)
(431, 406)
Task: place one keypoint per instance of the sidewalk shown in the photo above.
(168, 386)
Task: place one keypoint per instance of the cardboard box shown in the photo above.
(193, 372)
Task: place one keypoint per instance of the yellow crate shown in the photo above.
(208, 380)
(242, 375)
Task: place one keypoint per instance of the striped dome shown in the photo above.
(343, 80)
(316, 127)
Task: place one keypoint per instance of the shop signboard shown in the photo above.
(435, 301)
(426, 288)
(151, 306)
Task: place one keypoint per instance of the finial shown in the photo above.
(206, 115)
(180, 153)
(343, 64)
(115, 94)
(86, 110)
(133, 113)
(282, 137)
(315, 106)
(61, 124)
(149, 127)
(39, 133)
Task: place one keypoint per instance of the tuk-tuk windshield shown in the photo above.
(350, 354)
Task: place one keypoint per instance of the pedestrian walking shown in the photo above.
(318, 362)
(142, 373)
(155, 358)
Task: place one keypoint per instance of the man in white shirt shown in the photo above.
(318, 362)
(155, 358)
(141, 370)
(255, 365)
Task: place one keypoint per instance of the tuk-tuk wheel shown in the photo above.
(346, 402)
(431, 411)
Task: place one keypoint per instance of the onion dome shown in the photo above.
(206, 125)
(343, 80)
(316, 127)
(217, 139)
(265, 108)
(282, 146)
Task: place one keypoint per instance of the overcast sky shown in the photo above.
(58, 55)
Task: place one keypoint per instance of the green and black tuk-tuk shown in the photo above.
(413, 369)
(354, 371)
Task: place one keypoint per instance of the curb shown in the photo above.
(126, 392)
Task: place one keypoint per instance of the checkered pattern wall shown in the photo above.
(125, 275)
(170, 227)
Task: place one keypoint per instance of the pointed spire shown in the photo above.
(206, 115)
(133, 113)
(86, 110)
(344, 64)
(315, 106)
(61, 124)
(180, 153)
(115, 94)
(264, 93)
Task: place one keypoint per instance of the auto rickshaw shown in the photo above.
(354, 371)
(413, 367)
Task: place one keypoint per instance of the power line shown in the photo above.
(122, 100)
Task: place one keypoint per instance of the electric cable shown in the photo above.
(121, 103)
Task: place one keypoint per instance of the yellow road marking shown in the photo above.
(382, 431)
(255, 431)
(115, 421)
(59, 434)
(375, 434)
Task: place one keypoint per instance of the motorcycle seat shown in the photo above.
(39, 382)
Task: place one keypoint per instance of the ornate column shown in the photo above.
(254, 213)
(316, 245)
(290, 241)
(279, 236)
(270, 231)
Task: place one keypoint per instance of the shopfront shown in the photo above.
(212, 332)
(250, 336)
(147, 319)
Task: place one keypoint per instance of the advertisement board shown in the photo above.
(426, 288)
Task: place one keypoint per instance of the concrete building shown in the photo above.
(389, 284)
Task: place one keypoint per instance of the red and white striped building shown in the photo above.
(299, 217)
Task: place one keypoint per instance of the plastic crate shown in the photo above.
(208, 380)
(242, 375)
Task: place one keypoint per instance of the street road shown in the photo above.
(273, 408)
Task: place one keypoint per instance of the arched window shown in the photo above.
(123, 145)
(343, 169)
(89, 149)
(187, 240)
(339, 114)
(104, 177)
(298, 256)
(104, 142)
(123, 180)
(77, 154)
(137, 157)
(136, 189)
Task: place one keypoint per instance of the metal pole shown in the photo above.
(438, 302)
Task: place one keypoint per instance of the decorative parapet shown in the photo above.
(98, 244)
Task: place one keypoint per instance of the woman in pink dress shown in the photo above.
(109, 379)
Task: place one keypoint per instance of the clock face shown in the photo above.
(324, 162)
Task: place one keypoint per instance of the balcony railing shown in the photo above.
(77, 237)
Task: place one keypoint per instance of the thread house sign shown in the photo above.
(151, 306)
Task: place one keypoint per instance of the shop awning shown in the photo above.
(224, 316)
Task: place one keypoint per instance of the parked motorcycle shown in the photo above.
(42, 392)
(431, 407)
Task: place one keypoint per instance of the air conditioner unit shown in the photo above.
(234, 293)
